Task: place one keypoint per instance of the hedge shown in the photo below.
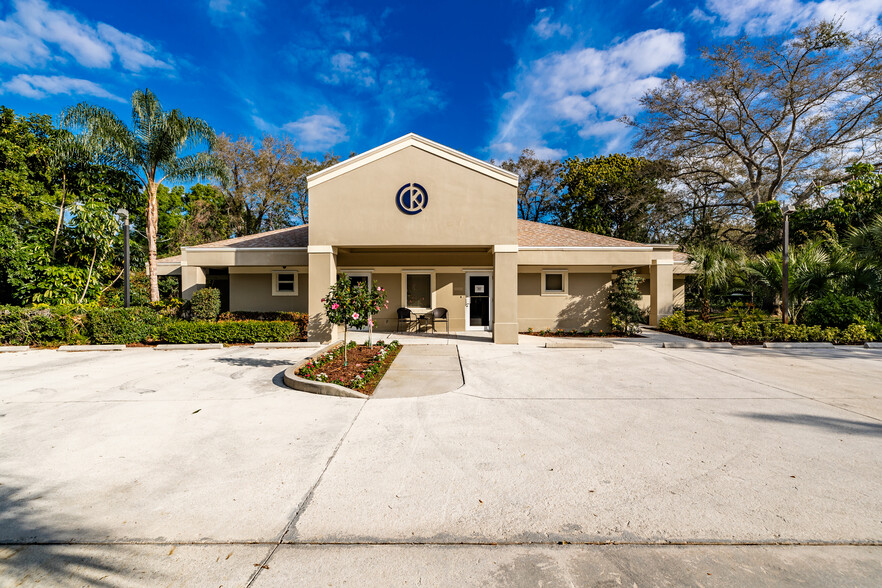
(229, 332)
(205, 304)
(750, 332)
(300, 319)
(41, 326)
(123, 325)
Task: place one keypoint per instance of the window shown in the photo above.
(418, 291)
(554, 283)
(284, 283)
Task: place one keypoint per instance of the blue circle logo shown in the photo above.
(412, 198)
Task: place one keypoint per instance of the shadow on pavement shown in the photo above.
(834, 425)
(253, 362)
(34, 548)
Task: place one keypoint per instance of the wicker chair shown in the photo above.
(405, 316)
(440, 315)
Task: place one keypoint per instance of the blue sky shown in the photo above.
(487, 77)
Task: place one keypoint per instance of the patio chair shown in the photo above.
(405, 316)
(439, 315)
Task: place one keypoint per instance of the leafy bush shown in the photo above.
(41, 325)
(761, 331)
(205, 304)
(301, 319)
(622, 300)
(228, 332)
(122, 325)
(838, 310)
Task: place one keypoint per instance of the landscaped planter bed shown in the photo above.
(364, 370)
(575, 333)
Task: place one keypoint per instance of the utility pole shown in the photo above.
(128, 295)
(785, 260)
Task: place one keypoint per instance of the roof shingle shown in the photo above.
(532, 234)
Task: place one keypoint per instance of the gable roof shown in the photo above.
(533, 234)
(413, 140)
(288, 237)
(530, 234)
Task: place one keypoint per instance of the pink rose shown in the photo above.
(370, 322)
(335, 306)
(355, 315)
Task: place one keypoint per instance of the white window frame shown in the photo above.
(422, 272)
(276, 291)
(564, 283)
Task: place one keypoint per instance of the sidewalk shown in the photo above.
(421, 370)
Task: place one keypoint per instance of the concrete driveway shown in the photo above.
(549, 467)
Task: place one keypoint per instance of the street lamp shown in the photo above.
(125, 214)
(785, 286)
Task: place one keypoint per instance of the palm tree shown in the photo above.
(865, 244)
(812, 272)
(154, 145)
(716, 264)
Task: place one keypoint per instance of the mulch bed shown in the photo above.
(360, 358)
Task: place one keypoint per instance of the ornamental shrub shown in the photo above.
(205, 304)
(838, 310)
(228, 332)
(352, 305)
(760, 331)
(622, 300)
(137, 324)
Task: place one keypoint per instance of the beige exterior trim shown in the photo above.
(412, 140)
(505, 249)
(320, 249)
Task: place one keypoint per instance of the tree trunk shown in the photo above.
(89, 277)
(705, 309)
(60, 212)
(345, 350)
(152, 229)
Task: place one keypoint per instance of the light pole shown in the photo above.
(785, 259)
(125, 214)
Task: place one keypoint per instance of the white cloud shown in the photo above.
(317, 132)
(765, 17)
(582, 91)
(33, 86)
(698, 15)
(545, 28)
(223, 12)
(35, 33)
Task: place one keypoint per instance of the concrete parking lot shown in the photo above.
(632, 465)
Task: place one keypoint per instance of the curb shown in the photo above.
(13, 348)
(92, 348)
(697, 345)
(286, 345)
(173, 346)
(797, 345)
(873, 345)
(292, 380)
(577, 344)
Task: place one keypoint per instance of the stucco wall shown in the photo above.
(359, 208)
(583, 307)
(254, 292)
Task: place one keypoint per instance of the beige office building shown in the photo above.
(437, 229)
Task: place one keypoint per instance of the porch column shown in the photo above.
(661, 290)
(192, 278)
(322, 274)
(505, 294)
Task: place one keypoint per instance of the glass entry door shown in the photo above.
(479, 304)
